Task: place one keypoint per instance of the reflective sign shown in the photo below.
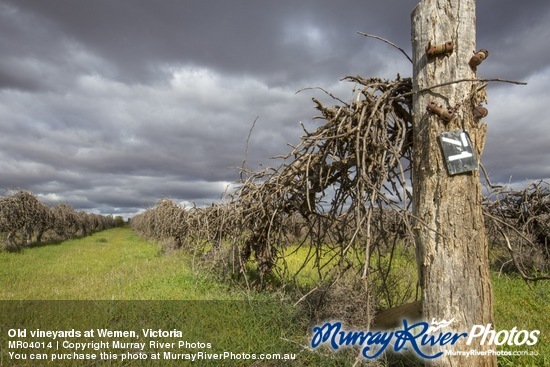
(458, 152)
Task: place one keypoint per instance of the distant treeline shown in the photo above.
(24, 220)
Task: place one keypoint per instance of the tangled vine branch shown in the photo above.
(341, 196)
(521, 218)
(24, 219)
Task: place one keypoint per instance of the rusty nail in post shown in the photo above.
(444, 114)
(441, 49)
(478, 58)
(480, 112)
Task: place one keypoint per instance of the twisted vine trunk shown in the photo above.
(449, 230)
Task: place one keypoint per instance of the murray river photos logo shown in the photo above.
(419, 337)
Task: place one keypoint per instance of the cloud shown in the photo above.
(128, 145)
(514, 36)
(110, 106)
(517, 143)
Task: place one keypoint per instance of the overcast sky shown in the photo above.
(112, 105)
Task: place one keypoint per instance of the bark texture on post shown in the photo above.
(449, 230)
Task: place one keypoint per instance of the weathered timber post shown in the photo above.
(449, 229)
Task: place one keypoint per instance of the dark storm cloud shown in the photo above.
(518, 131)
(279, 41)
(515, 36)
(111, 105)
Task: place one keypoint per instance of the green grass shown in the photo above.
(299, 265)
(396, 287)
(116, 280)
(112, 265)
(517, 305)
(117, 265)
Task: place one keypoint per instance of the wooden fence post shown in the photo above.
(452, 250)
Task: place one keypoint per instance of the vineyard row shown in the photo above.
(25, 220)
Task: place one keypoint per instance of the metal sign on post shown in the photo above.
(459, 154)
